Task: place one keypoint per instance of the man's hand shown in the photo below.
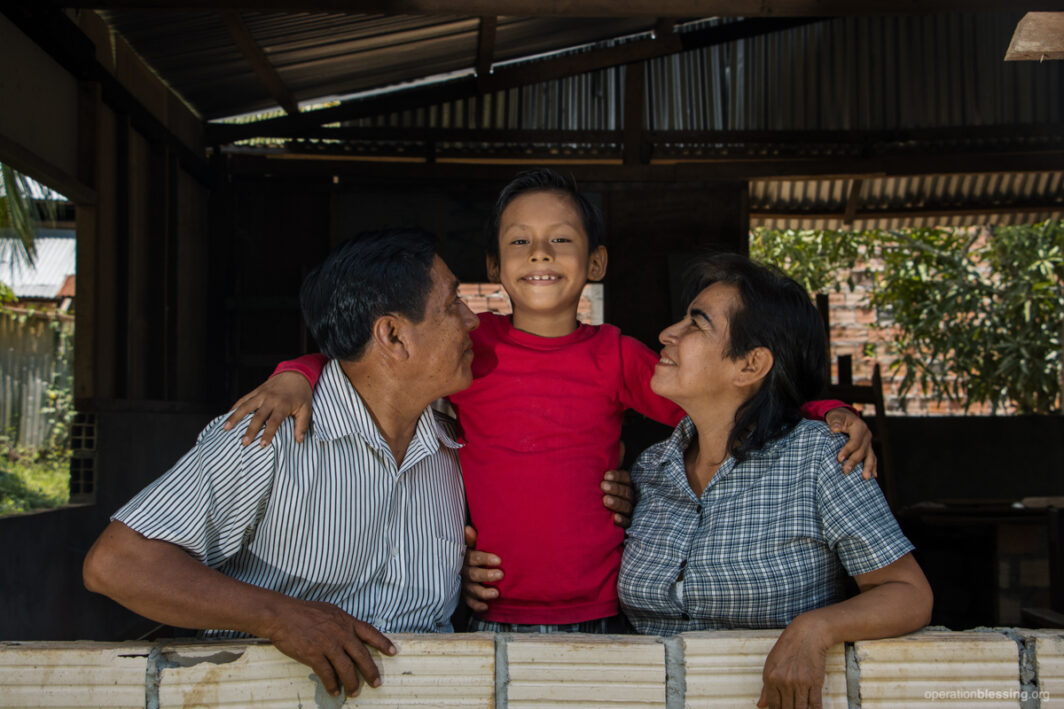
(479, 568)
(331, 642)
(277, 398)
(794, 670)
(859, 447)
(161, 581)
(618, 496)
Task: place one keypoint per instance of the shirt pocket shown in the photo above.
(437, 580)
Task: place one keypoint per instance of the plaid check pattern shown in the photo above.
(769, 539)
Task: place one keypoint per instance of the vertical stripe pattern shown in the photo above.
(331, 519)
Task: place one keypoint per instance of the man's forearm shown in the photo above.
(161, 581)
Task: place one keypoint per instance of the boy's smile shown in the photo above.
(544, 262)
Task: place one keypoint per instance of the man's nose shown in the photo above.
(469, 318)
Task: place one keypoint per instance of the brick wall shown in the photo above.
(1003, 667)
(860, 331)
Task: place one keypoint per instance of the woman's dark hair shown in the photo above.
(776, 313)
(369, 275)
(544, 180)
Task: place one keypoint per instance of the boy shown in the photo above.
(542, 418)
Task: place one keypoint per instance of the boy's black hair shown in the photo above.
(369, 275)
(544, 179)
(773, 312)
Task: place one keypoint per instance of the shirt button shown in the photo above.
(698, 509)
(686, 617)
(394, 552)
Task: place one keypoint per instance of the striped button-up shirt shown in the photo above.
(769, 538)
(331, 519)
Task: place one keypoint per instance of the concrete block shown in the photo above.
(429, 670)
(936, 668)
(592, 670)
(724, 668)
(69, 674)
(1049, 663)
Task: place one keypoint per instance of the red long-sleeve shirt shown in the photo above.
(542, 423)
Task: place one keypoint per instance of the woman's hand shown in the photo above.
(282, 395)
(859, 448)
(793, 677)
(479, 568)
(618, 496)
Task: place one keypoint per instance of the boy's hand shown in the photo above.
(277, 398)
(618, 497)
(480, 567)
(859, 447)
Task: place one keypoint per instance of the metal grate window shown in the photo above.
(83, 459)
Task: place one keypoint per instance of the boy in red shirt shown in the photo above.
(542, 419)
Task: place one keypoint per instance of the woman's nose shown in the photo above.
(668, 335)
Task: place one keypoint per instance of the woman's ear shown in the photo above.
(596, 264)
(389, 337)
(755, 366)
(491, 263)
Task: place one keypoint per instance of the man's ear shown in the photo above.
(596, 264)
(755, 366)
(389, 337)
(491, 263)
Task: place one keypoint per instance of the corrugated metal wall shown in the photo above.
(30, 361)
(855, 73)
(858, 73)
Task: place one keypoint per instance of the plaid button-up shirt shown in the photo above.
(769, 539)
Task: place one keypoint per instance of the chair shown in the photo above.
(845, 390)
(1052, 617)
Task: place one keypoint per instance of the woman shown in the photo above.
(744, 518)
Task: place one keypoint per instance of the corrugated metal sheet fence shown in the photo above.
(33, 359)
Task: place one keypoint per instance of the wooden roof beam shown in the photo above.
(580, 8)
(1038, 36)
(485, 47)
(512, 76)
(258, 60)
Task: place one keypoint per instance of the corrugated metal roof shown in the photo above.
(897, 202)
(319, 55)
(854, 73)
(56, 259)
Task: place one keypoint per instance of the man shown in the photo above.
(321, 547)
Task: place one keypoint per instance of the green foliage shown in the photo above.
(811, 257)
(18, 213)
(32, 480)
(978, 318)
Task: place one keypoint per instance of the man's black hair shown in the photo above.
(545, 180)
(777, 313)
(369, 275)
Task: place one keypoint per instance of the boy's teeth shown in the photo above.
(542, 278)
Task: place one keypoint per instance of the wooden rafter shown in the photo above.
(509, 77)
(486, 46)
(973, 162)
(1038, 36)
(852, 201)
(579, 8)
(258, 60)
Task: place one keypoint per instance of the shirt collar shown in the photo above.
(685, 431)
(339, 411)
